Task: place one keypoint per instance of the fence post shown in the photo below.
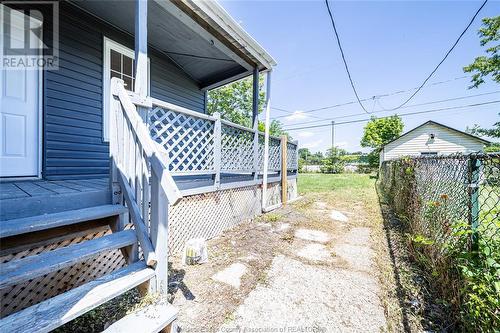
(284, 170)
(217, 148)
(473, 176)
(159, 233)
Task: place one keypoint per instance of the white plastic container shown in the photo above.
(195, 252)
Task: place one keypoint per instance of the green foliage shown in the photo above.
(335, 161)
(377, 133)
(234, 102)
(380, 131)
(340, 183)
(304, 153)
(308, 158)
(489, 64)
(492, 148)
(374, 158)
(462, 263)
(275, 128)
(480, 274)
(491, 132)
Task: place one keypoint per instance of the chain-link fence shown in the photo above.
(450, 208)
(443, 195)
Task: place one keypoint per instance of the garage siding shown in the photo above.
(416, 142)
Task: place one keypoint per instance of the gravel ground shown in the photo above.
(293, 270)
(306, 296)
(338, 292)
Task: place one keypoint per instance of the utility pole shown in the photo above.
(333, 134)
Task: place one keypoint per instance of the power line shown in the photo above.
(407, 106)
(365, 99)
(444, 58)
(428, 77)
(402, 114)
(343, 56)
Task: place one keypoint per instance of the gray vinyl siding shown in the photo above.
(73, 146)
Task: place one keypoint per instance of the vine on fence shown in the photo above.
(450, 206)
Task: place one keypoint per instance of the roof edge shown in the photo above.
(442, 125)
(226, 22)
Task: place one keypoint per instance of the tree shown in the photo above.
(234, 102)
(489, 132)
(275, 128)
(378, 132)
(335, 161)
(490, 63)
(304, 153)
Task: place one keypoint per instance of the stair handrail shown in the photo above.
(140, 169)
(158, 162)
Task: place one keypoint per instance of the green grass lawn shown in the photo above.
(318, 182)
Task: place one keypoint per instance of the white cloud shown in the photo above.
(313, 144)
(305, 134)
(297, 115)
(341, 144)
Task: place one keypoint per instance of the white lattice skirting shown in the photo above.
(208, 215)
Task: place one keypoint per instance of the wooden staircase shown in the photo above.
(140, 192)
(56, 311)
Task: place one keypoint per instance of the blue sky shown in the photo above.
(390, 46)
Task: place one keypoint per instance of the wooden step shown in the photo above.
(48, 204)
(21, 270)
(151, 319)
(52, 313)
(48, 221)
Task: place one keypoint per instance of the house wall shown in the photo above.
(417, 141)
(72, 102)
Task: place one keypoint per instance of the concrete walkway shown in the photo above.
(326, 282)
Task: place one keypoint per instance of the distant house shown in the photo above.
(431, 138)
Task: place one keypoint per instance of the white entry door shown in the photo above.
(19, 121)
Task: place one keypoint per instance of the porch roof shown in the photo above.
(199, 36)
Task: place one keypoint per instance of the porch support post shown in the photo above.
(141, 55)
(255, 122)
(284, 170)
(266, 140)
(217, 148)
(159, 234)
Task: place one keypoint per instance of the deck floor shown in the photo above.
(34, 188)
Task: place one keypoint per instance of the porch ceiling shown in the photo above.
(170, 31)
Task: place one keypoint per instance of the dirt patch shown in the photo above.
(205, 304)
(329, 268)
(346, 283)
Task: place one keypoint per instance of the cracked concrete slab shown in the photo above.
(231, 275)
(312, 235)
(338, 216)
(314, 252)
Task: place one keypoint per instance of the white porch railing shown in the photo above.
(197, 143)
(140, 180)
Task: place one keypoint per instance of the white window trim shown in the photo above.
(109, 45)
